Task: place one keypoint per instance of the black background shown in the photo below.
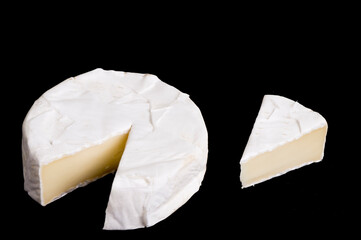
(226, 59)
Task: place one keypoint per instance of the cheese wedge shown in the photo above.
(285, 136)
(151, 134)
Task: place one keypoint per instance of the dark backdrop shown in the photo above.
(226, 63)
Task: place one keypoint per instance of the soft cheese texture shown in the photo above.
(77, 131)
(67, 173)
(285, 136)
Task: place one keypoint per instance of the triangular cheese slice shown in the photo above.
(285, 136)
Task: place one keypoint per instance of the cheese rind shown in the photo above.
(165, 154)
(285, 136)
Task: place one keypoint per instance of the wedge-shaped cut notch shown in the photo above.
(65, 174)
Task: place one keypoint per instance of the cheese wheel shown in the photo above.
(148, 132)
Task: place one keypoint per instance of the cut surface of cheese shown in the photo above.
(285, 136)
(67, 173)
(151, 134)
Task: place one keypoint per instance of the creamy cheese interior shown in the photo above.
(65, 174)
(307, 149)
